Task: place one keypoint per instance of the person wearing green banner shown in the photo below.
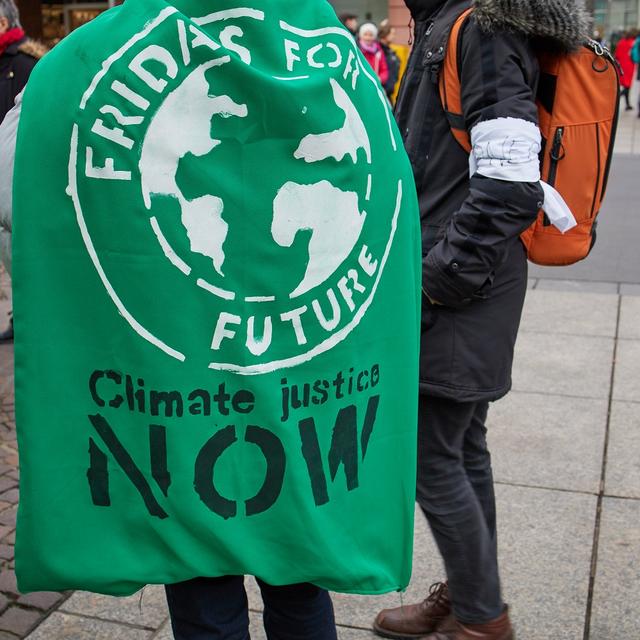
(225, 242)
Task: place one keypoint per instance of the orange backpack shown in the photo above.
(577, 102)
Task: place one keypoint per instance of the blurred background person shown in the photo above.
(635, 58)
(350, 21)
(370, 47)
(623, 57)
(386, 37)
(18, 56)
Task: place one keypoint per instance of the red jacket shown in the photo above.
(623, 56)
(378, 63)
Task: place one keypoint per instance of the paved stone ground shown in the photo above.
(566, 446)
(628, 140)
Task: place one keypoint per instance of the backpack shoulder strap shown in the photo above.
(450, 88)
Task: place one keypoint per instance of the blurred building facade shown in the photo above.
(616, 15)
(51, 20)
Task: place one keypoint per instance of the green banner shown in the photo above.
(216, 272)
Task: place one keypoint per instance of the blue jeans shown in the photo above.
(455, 492)
(217, 609)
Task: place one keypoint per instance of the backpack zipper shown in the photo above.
(597, 189)
(557, 154)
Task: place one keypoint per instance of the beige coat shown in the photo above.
(8, 135)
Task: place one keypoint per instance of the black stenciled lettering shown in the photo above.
(117, 399)
(222, 398)
(313, 458)
(369, 423)
(364, 375)
(139, 395)
(243, 401)
(321, 388)
(285, 401)
(159, 459)
(172, 401)
(375, 375)
(344, 446)
(127, 464)
(200, 403)
(338, 383)
(98, 476)
(205, 466)
(93, 387)
(274, 454)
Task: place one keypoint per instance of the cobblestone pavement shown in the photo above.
(18, 613)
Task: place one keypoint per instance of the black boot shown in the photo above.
(7, 334)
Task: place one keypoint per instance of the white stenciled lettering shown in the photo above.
(114, 135)
(201, 39)
(338, 61)
(311, 57)
(290, 49)
(366, 261)
(157, 54)
(119, 117)
(351, 68)
(108, 172)
(131, 96)
(257, 346)
(226, 38)
(326, 323)
(347, 291)
(184, 45)
(295, 317)
(221, 332)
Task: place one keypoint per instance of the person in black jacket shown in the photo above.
(18, 56)
(474, 280)
(386, 34)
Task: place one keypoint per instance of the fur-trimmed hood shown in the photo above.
(563, 24)
(33, 48)
(566, 23)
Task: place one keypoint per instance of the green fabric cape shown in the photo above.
(216, 272)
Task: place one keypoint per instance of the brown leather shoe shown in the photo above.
(415, 620)
(498, 629)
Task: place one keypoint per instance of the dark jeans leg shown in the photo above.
(477, 464)
(297, 612)
(209, 609)
(459, 503)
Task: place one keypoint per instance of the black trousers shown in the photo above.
(455, 491)
(217, 609)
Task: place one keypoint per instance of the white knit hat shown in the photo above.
(367, 26)
(9, 11)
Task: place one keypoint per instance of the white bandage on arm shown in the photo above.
(508, 149)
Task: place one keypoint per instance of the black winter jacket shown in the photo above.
(16, 64)
(473, 261)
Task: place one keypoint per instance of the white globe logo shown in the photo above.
(321, 207)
